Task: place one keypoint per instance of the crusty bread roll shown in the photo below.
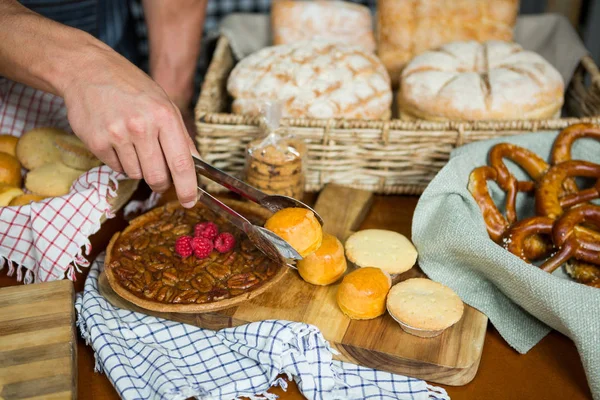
(8, 144)
(326, 265)
(296, 21)
(406, 28)
(299, 227)
(313, 79)
(494, 80)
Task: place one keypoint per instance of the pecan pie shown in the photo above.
(143, 267)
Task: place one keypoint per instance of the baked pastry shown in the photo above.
(144, 267)
(36, 147)
(326, 265)
(388, 250)
(407, 28)
(480, 81)
(8, 144)
(299, 227)
(74, 154)
(423, 307)
(8, 193)
(26, 199)
(51, 180)
(362, 293)
(313, 79)
(296, 21)
(10, 170)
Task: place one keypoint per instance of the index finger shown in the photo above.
(175, 144)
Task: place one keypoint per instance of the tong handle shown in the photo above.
(228, 181)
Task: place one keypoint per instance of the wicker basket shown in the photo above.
(391, 157)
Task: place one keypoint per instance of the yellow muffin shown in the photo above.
(10, 170)
(299, 227)
(8, 193)
(8, 144)
(326, 265)
(24, 199)
(50, 180)
(36, 147)
(362, 293)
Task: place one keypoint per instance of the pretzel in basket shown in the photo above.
(561, 150)
(547, 195)
(583, 245)
(566, 228)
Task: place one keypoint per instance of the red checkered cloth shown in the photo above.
(47, 240)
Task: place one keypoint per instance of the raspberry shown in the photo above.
(208, 230)
(202, 247)
(225, 242)
(183, 246)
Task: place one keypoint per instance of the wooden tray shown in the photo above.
(38, 349)
(451, 358)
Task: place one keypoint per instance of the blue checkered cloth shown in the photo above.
(151, 358)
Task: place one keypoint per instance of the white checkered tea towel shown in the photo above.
(43, 241)
(151, 358)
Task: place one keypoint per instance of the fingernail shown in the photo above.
(189, 204)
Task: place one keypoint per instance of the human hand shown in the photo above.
(130, 124)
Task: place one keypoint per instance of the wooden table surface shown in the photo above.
(551, 370)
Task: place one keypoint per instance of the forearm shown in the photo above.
(39, 52)
(175, 34)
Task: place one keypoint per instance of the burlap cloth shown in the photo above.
(550, 35)
(522, 301)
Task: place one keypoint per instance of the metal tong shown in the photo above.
(269, 243)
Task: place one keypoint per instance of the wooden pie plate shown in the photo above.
(241, 207)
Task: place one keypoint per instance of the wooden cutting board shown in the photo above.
(451, 358)
(38, 349)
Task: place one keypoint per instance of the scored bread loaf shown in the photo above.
(296, 20)
(494, 80)
(406, 28)
(317, 79)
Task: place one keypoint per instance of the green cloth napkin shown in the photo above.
(522, 301)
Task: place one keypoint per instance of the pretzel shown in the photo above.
(494, 220)
(547, 201)
(523, 238)
(586, 273)
(533, 164)
(561, 150)
(582, 244)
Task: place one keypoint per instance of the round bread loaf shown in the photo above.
(494, 80)
(315, 79)
(297, 20)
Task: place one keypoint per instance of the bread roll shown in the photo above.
(326, 265)
(406, 28)
(50, 180)
(296, 21)
(363, 292)
(36, 147)
(472, 81)
(314, 80)
(8, 144)
(10, 170)
(8, 194)
(299, 227)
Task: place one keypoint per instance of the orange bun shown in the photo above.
(8, 144)
(10, 170)
(299, 227)
(363, 292)
(326, 265)
(26, 199)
